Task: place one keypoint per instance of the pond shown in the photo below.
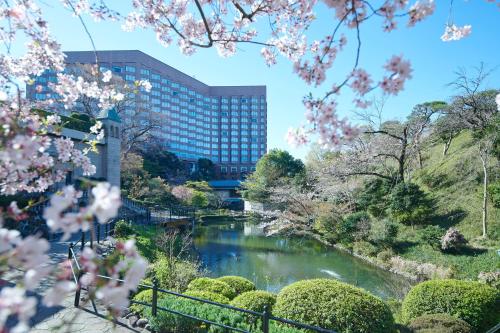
(233, 247)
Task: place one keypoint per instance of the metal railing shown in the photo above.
(264, 317)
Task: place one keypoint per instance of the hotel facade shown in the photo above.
(226, 124)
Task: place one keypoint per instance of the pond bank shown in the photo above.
(235, 247)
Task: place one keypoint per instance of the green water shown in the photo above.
(240, 248)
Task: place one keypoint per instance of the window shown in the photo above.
(234, 170)
(144, 71)
(130, 69)
(243, 169)
(117, 69)
(223, 169)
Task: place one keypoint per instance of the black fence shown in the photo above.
(265, 318)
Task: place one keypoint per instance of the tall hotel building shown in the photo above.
(226, 124)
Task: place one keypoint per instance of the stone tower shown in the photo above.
(112, 145)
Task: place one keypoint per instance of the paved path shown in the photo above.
(83, 319)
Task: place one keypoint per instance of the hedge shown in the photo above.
(212, 285)
(334, 305)
(238, 283)
(474, 302)
(172, 323)
(145, 296)
(207, 295)
(439, 323)
(255, 300)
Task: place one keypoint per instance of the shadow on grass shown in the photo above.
(449, 219)
(467, 251)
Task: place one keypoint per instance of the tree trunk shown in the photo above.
(447, 145)
(484, 160)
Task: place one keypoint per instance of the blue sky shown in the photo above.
(433, 61)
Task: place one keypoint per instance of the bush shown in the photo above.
(207, 295)
(167, 322)
(175, 276)
(439, 323)
(384, 257)
(212, 285)
(474, 302)
(408, 204)
(145, 296)
(365, 248)
(255, 300)
(123, 229)
(334, 305)
(383, 232)
(238, 283)
(354, 227)
(431, 235)
(453, 241)
(490, 278)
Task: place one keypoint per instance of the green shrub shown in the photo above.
(123, 229)
(408, 204)
(145, 296)
(212, 285)
(476, 303)
(373, 197)
(383, 232)
(431, 235)
(175, 276)
(255, 300)
(439, 323)
(365, 248)
(354, 227)
(208, 295)
(334, 305)
(238, 283)
(168, 322)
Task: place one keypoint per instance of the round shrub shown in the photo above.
(453, 240)
(334, 305)
(145, 296)
(212, 285)
(123, 229)
(208, 295)
(238, 283)
(439, 323)
(255, 300)
(474, 302)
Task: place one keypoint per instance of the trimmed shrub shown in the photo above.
(145, 296)
(476, 303)
(208, 295)
(255, 300)
(212, 285)
(238, 283)
(123, 229)
(439, 323)
(168, 322)
(334, 305)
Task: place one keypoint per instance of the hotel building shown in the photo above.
(226, 124)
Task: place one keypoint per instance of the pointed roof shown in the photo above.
(110, 114)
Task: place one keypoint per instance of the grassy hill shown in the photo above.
(455, 182)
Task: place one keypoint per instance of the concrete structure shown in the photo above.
(107, 157)
(226, 124)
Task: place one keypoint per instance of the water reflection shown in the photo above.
(240, 248)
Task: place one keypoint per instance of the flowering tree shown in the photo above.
(27, 167)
